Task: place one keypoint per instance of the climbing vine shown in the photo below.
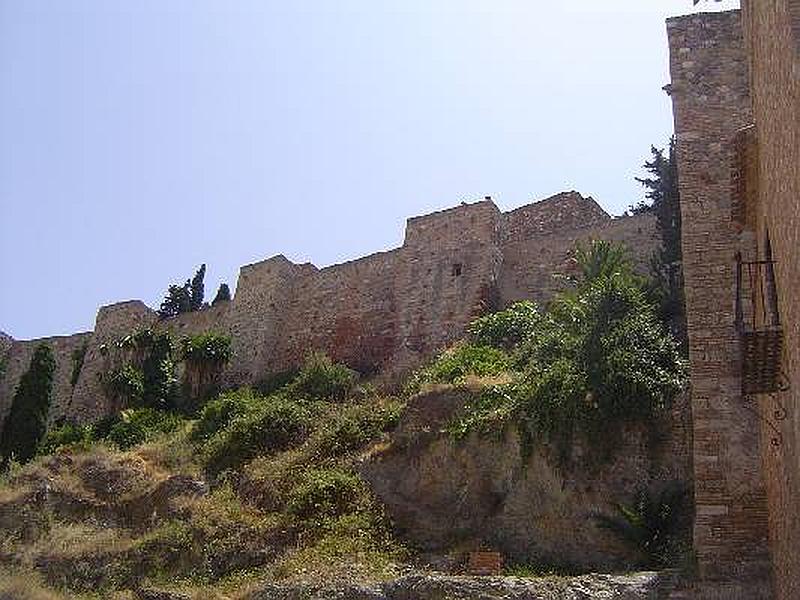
(205, 356)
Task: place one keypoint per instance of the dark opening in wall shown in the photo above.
(456, 271)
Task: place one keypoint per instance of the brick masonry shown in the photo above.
(382, 313)
(736, 98)
(711, 102)
(772, 34)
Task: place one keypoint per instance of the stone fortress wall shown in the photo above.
(381, 313)
(736, 97)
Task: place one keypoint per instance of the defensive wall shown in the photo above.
(771, 213)
(735, 90)
(381, 313)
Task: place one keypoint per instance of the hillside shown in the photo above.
(554, 438)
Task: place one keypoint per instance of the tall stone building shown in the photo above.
(736, 97)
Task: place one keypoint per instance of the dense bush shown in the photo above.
(324, 493)
(456, 363)
(322, 379)
(274, 382)
(65, 435)
(26, 422)
(353, 428)
(125, 386)
(598, 357)
(271, 426)
(208, 349)
(507, 328)
(135, 426)
(217, 414)
(158, 370)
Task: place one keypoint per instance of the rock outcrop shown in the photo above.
(635, 586)
(446, 494)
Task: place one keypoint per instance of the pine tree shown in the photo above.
(197, 289)
(223, 294)
(664, 196)
(26, 423)
(177, 301)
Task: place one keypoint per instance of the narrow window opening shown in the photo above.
(456, 270)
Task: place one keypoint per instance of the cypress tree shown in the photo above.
(223, 294)
(197, 289)
(26, 423)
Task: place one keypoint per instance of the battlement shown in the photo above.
(378, 313)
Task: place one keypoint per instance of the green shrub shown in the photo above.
(456, 363)
(26, 422)
(139, 425)
(126, 386)
(354, 427)
(160, 388)
(275, 382)
(217, 414)
(275, 425)
(507, 328)
(599, 357)
(657, 525)
(322, 379)
(64, 436)
(205, 356)
(208, 349)
(324, 493)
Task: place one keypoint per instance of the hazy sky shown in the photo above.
(141, 138)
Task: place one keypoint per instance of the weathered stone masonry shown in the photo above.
(386, 311)
(736, 96)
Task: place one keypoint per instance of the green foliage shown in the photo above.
(353, 428)
(602, 259)
(158, 368)
(205, 356)
(507, 328)
(656, 525)
(666, 269)
(135, 426)
(65, 435)
(184, 298)
(275, 382)
(78, 356)
(266, 428)
(223, 294)
(324, 493)
(197, 289)
(209, 349)
(26, 422)
(322, 379)
(456, 363)
(126, 385)
(597, 358)
(177, 301)
(147, 378)
(217, 414)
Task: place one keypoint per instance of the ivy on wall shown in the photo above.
(205, 356)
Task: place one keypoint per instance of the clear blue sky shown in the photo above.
(141, 138)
